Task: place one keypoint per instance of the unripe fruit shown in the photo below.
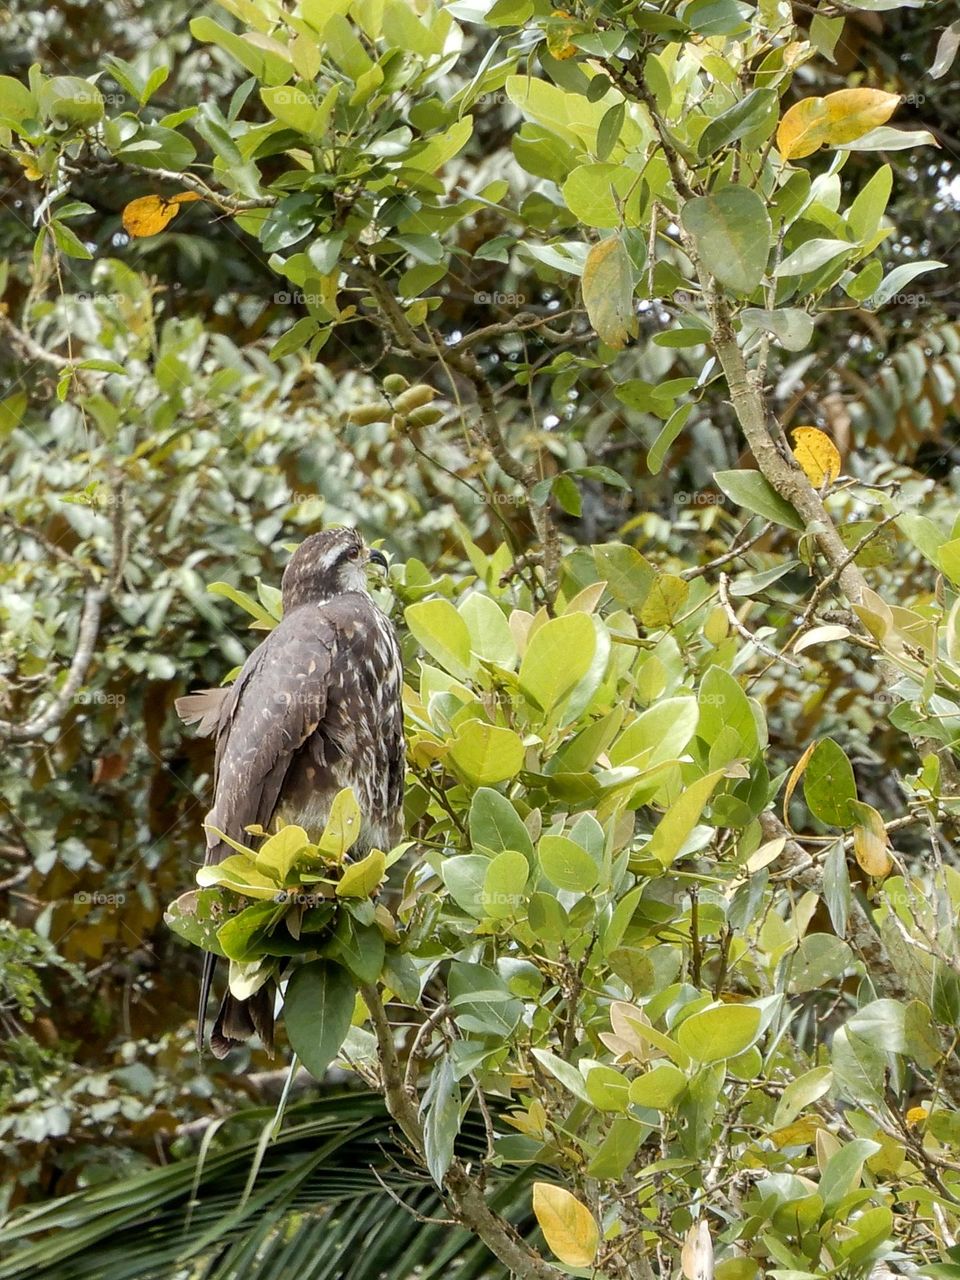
(425, 416)
(414, 398)
(394, 384)
(363, 415)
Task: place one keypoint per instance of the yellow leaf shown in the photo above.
(665, 601)
(558, 37)
(567, 1225)
(150, 214)
(871, 845)
(799, 1134)
(916, 1115)
(31, 170)
(840, 117)
(608, 292)
(795, 775)
(817, 454)
(853, 112)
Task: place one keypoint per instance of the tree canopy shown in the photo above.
(629, 332)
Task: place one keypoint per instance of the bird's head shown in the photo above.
(327, 564)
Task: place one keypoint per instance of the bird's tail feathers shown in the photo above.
(237, 1020)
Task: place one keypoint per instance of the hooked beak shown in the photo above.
(377, 558)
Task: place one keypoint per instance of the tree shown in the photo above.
(707, 977)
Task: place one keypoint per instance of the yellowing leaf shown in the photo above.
(665, 601)
(838, 118)
(871, 845)
(915, 1116)
(798, 1134)
(567, 1225)
(817, 454)
(558, 37)
(150, 214)
(608, 292)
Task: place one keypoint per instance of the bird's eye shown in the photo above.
(354, 554)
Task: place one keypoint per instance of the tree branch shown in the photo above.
(463, 1196)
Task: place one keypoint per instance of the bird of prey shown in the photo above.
(316, 708)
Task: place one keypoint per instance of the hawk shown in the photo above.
(316, 708)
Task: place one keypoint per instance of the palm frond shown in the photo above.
(318, 1210)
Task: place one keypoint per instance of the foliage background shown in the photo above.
(220, 456)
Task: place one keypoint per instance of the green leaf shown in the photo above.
(800, 1093)
(198, 914)
(720, 1032)
(757, 108)
(16, 101)
(485, 753)
(726, 710)
(362, 879)
(465, 877)
(440, 1115)
(627, 574)
(898, 279)
(567, 865)
(278, 855)
(317, 1010)
(750, 490)
(829, 784)
(482, 1000)
(496, 826)
(244, 936)
(557, 659)
(568, 1075)
(246, 602)
(266, 59)
(71, 100)
(660, 733)
(298, 110)
(239, 872)
(732, 234)
(671, 429)
(504, 884)
(67, 242)
(677, 824)
(296, 338)
(814, 254)
(360, 947)
(343, 826)
(443, 633)
(615, 1154)
(844, 1170)
(665, 600)
(791, 326)
(491, 639)
(659, 1087)
(596, 193)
